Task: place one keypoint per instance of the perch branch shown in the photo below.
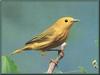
(54, 63)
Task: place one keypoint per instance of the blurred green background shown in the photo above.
(20, 20)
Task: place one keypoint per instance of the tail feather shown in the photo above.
(18, 51)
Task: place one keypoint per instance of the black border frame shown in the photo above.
(40, 0)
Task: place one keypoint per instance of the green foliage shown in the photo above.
(8, 65)
(82, 69)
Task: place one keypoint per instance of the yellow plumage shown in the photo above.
(52, 37)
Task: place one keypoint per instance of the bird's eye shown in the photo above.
(66, 20)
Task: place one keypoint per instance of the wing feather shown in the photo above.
(41, 37)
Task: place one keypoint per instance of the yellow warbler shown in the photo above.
(52, 37)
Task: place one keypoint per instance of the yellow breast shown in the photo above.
(57, 41)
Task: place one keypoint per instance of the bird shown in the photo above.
(55, 35)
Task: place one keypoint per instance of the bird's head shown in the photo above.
(66, 22)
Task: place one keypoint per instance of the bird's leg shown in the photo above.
(54, 63)
(61, 47)
(60, 53)
(53, 50)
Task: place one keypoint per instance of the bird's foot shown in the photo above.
(61, 53)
